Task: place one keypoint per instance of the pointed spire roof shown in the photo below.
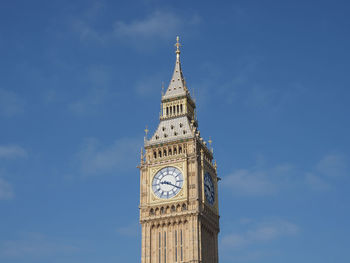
(177, 86)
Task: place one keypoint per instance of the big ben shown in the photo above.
(179, 211)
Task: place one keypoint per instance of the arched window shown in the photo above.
(160, 153)
(167, 111)
(164, 152)
(171, 110)
(181, 108)
(177, 108)
(180, 149)
(174, 109)
(175, 150)
(170, 151)
(155, 155)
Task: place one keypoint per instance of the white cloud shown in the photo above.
(261, 180)
(260, 233)
(6, 191)
(96, 159)
(248, 182)
(258, 180)
(12, 151)
(160, 24)
(333, 165)
(10, 103)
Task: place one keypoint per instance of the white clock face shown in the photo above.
(167, 182)
(209, 188)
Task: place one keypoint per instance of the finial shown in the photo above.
(177, 45)
(162, 88)
(194, 95)
(210, 142)
(146, 131)
(141, 155)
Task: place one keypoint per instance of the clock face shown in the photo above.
(209, 188)
(167, 182)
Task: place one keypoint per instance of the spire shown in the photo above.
(177, 86)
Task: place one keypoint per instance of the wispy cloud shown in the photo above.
(90, 102)
(6, 191)
(330, 168)
(130, 230)
(160, 24)
(149, 86)
(261, 232)
(10, 103)
(12, 152)
(35, 245)
(97, 81)
(96, 159)
(316, 182)
(261, 180)
(334, 165)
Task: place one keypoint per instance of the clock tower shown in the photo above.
(179, 211)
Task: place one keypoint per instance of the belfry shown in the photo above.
(179, 211)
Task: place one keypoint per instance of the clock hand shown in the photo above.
(168, 183)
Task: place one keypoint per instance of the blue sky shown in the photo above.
(79, 81)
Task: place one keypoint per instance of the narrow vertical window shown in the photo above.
(164, 247)
(181, 108)
(175, 245)
(170, 110)
(174, 109)
(159, 248)
(182, 258)
(177, 108)
(167, 111)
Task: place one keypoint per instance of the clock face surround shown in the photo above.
(209, 189)
(167, 182)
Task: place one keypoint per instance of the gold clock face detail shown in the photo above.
(167, 182)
